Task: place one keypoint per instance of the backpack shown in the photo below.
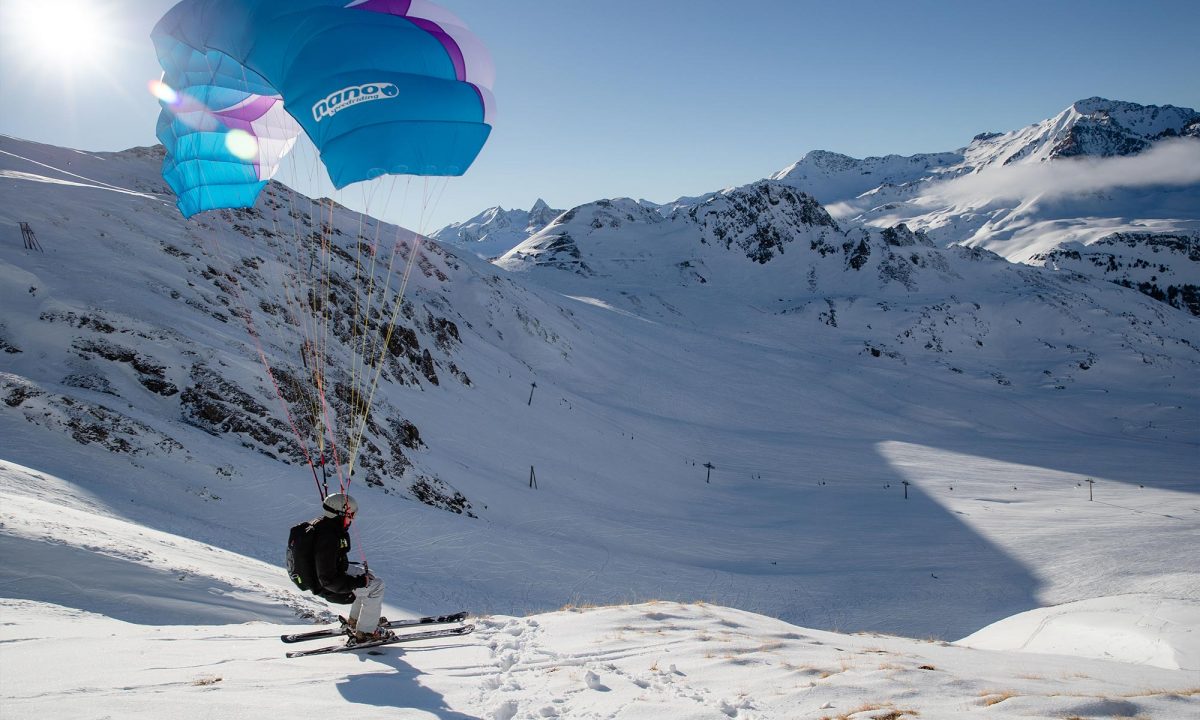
(301, 558)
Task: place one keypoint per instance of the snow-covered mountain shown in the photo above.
(1097, 169)
(494, 231)
(745, 400)
(1095, 128)
(777, 250)
(831, 177)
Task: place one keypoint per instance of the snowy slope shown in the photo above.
(947, 350)
(824, 371)
(832, 177)
(198, 636)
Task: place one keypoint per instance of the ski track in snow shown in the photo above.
(94, 184)
(659, 659)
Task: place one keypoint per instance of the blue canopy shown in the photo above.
(379, 86)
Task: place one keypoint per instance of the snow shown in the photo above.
(1138, 629)
(210, 647)
(799, 582)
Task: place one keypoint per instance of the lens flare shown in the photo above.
(163, 92)
(242, 144)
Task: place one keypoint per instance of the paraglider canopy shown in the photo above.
(379, 86)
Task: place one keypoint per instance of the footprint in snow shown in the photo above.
(593, 682)
(507, 661)
(505, 710)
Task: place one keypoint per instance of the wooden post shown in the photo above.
(1090, 483)
(906, 484)
(532, 387)
(532, 478)
(711, 467)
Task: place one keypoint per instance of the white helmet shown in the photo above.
(339, 504)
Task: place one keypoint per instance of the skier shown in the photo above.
(340, 582)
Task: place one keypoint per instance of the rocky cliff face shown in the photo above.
(760, 220)
(1165, 266)
(276, 327)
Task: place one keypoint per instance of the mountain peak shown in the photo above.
(1092, 105)
(495, 230)
(832, 177)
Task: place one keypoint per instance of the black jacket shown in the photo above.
(331, 548)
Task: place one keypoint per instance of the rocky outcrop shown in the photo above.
(1165, 266)
(760, 220)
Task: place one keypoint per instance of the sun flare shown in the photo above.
(68, 33)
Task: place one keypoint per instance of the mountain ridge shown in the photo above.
(993, 192)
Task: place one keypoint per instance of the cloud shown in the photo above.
(1171, 162)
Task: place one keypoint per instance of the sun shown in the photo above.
(68, 34)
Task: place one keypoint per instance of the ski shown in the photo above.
(393, 625)
(411, 637)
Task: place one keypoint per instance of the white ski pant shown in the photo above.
(367, 605)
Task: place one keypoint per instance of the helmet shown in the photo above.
(339, 504)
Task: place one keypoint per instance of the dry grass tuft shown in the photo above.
(993, 697)
(1188, 692)
(891, 714)
(205, 681)
(586, 605)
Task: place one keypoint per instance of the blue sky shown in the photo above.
(659, 99)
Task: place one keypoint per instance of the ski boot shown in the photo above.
(380, 633)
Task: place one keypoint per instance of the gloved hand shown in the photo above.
(363, 580)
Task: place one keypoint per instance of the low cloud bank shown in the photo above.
(1172, 162)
